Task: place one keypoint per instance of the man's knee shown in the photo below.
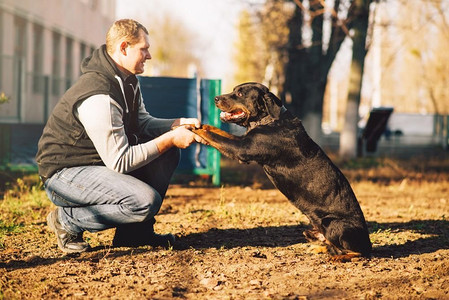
(173, 156)
(144, 205)
(166, 164)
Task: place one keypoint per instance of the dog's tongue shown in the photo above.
(231, 115)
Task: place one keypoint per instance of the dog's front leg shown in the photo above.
(226, 143)
(209, 131)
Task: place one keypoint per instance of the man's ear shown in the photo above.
(123, 46)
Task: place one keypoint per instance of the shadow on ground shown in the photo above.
(280, 236)
(438, 239)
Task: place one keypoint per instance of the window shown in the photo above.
(19, 38)
(19, 62)
(38, 58)
(56, 64)
(82, 53)
(68, 62)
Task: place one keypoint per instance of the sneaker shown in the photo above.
(67, 242)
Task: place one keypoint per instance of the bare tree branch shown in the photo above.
(325, 8)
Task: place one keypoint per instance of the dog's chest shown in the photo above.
(282, 180)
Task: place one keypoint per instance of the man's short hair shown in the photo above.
(124, 28)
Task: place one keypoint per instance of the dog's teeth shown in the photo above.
(231, 115)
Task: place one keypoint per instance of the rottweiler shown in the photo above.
(295, 164)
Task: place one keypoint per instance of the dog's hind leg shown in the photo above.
(319, 243)
(348, 242)
(345, 257)
(314, 235)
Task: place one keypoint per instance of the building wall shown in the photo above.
(42, 43)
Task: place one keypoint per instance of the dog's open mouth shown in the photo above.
(233, 116)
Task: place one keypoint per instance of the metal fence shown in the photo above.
(164, 97)
(31, 95)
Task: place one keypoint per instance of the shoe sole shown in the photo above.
(52, 226)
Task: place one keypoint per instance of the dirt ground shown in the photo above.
(243, 240)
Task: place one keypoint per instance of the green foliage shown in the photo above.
(23, 200)
(261, 47)
(173, 49)
(4, 98)
(248, 51)
(8, 228)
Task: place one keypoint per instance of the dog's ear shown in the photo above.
(273, 104)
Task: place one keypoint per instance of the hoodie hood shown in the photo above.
(100, 62)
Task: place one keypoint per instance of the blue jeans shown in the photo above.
(94, 198)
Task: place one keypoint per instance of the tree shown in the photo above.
(260, 49)
(349, 134)
(413, 55)
(310, 56)
(432, 56)
(249, 50)
(274, 18)
(316, 31)
(172, 46)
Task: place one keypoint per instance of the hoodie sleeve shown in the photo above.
(101, 117)
(152, 126)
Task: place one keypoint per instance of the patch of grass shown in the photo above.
(9, 174)
(383, 237)
(8, 228)
(23, 202)
(361, 163)
(25, 197)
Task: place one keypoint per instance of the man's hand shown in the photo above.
(183, 137)
(189, 123)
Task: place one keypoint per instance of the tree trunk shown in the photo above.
(314, 108)
(349, 134)
(308, 67)
(305, 80)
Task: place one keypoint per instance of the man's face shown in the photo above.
(137, 54)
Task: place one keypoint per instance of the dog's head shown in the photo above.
(249, 104)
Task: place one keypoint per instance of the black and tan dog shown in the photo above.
(295, 164)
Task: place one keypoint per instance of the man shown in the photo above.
(105, 162)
